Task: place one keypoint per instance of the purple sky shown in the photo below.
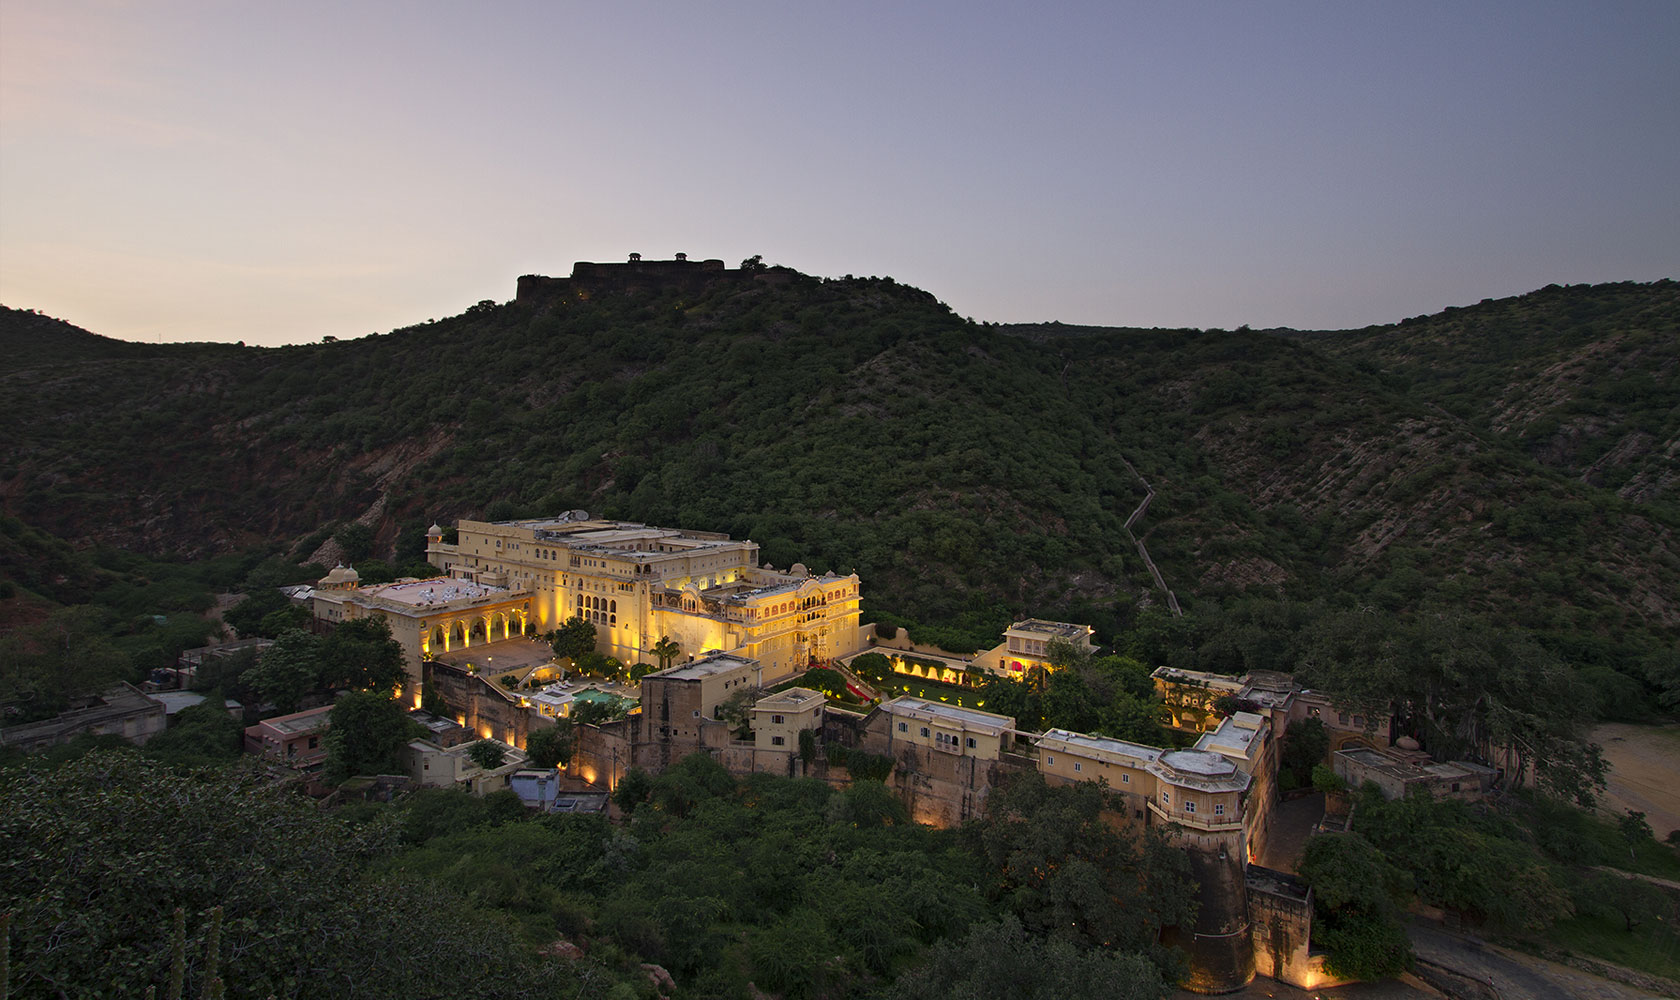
(278, 172)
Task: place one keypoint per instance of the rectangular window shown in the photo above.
(1050, 760)
(1219, 808)
(1125, 779)
(924, 731)
(903, 727)
(1077, 766)
(776, 719)
(1189, 806)
(971, 746)
(776, 741)
(1166, 797)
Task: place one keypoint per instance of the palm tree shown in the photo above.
(666, 650)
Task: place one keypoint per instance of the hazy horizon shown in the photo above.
(189, 171)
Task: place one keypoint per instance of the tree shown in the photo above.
(829, 682)
(1461, 686)
(1002, 961)
(667, 651)
(42, 667)
(807, 746)
(694, 779)
(867, 804)
(357, 541)
(872, 667)
(200, 735)
(736, 710)
(1459, 861)
(289, 669)
(1357, 896)
(572, 639)
(1065, 871)
(1326, 780)
(361, 654)
(633, 790)
(365, 736)
(550, 747)
(1632, 899)
(279, 620)
(868, 766)
(592, 664)
(487, 754)
(1635, 831)
(112, 844)
(1135, 719)
(248, 615)
(1304, 747)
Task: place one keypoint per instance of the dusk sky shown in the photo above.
(279, 172)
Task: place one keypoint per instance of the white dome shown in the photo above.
(340, 574)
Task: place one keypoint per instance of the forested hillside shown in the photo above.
(967, 471)
(1584, 379)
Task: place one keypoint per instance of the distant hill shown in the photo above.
(967, 471)
(30, 338)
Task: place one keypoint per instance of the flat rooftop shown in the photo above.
(711, 666)
(438, 590)
(1270, 880)
(1064, 630)
(502, 655)
(1386, 763)
(906, 705)
(1100, 746)
(299, 722)
(1234, 735)
(1217, 682)
(1198, 762)
(793, 698)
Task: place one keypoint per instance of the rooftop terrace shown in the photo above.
(433, 592)
(793, 699)
(1101, 747)
(1063, 630)
(906, 705)
(711, 666)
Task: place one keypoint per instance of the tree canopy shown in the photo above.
(95, 855)
(366, 734)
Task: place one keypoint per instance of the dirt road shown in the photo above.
(1644, 772)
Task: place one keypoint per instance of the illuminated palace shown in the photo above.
(637, 584)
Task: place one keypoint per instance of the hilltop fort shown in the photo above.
(638, 276)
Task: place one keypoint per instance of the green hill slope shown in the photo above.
(967, 472)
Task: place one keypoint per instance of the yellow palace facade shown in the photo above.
(638, 583)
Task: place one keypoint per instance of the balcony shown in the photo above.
(1197, 821)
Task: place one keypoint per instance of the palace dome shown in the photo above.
(341, 574)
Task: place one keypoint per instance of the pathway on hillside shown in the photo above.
(1143, 508)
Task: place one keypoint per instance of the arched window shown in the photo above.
(612, 606)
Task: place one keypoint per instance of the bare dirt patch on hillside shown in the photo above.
(1644, 772)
